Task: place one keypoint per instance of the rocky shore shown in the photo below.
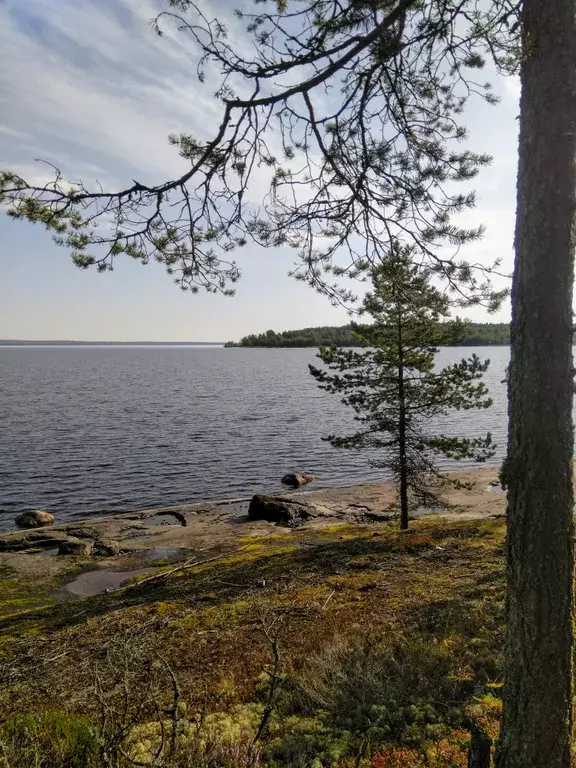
(129, 544)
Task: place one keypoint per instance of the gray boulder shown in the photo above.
(106, 548)
(34, 518)
(279, 510)
(295, 479)
(75, 547)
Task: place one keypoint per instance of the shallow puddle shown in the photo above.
(171, 554)
(92, 583)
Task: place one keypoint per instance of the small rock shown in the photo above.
(296, 479)
(34, 518)
(281, 511)
(106, 548)
(75, 547)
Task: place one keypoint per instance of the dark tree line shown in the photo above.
(471, 335)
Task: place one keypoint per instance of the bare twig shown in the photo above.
(330, 596)
(275, 678)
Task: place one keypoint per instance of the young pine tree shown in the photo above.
(394, 388)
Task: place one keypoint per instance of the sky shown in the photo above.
(88, 85)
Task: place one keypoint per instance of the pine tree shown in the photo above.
(393, 386)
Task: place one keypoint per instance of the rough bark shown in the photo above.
(537, 719)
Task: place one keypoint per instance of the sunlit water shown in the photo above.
(95, 430)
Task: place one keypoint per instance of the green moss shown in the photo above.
(49, 739)
(18, 594)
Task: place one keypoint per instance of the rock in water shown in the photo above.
(295, 479)
(281, 511)
(34, 518)
(75, 547)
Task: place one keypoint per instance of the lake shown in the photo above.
(95, 430)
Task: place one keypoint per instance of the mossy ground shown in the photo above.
(19, 594)
(426, 604)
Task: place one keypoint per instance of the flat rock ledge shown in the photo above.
(219, 523)
(96, 537)
(185, 525)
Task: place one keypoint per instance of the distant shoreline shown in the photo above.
(23, 343)
(464, 343)
(469, 334)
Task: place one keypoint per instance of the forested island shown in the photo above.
(476, 335)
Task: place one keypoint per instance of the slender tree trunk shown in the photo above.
(479, 752)
(537, 718)
(402, 431)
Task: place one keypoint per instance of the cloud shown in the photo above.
(89, 86)
(89, 89)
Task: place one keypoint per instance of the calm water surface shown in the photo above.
(94, 430)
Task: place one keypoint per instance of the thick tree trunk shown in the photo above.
(536, 729)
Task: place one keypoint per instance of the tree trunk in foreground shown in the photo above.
(537, 719)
